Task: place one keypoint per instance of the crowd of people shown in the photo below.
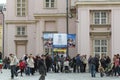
(30, 64)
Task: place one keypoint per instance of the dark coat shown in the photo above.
(42, 67)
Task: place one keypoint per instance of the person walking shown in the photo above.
(30, 65)
(42, 67)
(13, 63)
(22, 66)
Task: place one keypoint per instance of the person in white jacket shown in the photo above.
(30, 65)
(13, 64)
(66, 65)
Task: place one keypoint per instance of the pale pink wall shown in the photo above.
(115, 30)
(84, 24)
(83, 31)
(34, 31)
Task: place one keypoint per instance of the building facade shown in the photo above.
(95, 23)
(27, 21)
(98, 27)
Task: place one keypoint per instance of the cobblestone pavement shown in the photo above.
(57, 76)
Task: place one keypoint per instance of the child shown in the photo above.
(21, 66)
(1, 64)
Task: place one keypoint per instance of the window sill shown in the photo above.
(100, 25)
(50, 8)
(20, 35)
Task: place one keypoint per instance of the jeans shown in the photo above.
(117, 70)
(93, 71)
(78, 68)
(27, 71)
(13, 71)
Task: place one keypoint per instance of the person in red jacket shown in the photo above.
(21, 66)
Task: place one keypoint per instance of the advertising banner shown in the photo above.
(71, 39)
(48, 40)
(59, 40)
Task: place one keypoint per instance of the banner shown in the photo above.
(48, 35)
(48, 39)
(59, 40)
(71, 40)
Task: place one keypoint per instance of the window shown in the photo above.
(21, 31)
(21, 7)
(100, 47)
(100, 17)
(50, 3)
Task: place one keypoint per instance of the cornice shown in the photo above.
(37, 15)
(96, 3)
(20, 21)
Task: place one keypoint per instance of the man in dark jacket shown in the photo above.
(93, 67)
(78, 63)
(42, 67)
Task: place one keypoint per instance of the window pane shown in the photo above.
(18, 29)
(97, 49)
(18, 5)
(97, 42)
(97, 21)
(23, 33)
(103, 42)
(52, 4)
(52, 0)
(47, 0)
(18, 33)
(23, 1)
(97, 15)
(47, 4)
(23, 5)
(23, 14)
(103, 49)
(18, 1)
(103, 14)
(18, 9)
(23, 9)
(23, 28)
(103, 21)
(18, 14)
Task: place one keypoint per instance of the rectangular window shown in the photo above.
(100, 17)
(100, 47)
(21, 31)
(21, 7)
(50, 3)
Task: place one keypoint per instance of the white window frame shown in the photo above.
(21, 12)
(100, 18)
(20, 33)
(50, 4)
(100, 46)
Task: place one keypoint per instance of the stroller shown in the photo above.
(109, 70)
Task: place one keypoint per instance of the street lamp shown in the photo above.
(1, 11)
(67, 32)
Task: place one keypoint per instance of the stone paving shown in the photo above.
(57, 76)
